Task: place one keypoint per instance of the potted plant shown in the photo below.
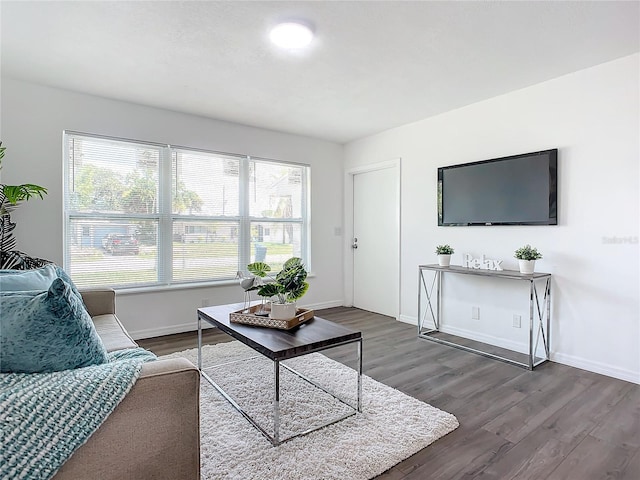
(527, 257)
(10, 198)
(444, 255)
(287, 286)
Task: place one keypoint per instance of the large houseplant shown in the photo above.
(10, 198)
(287, 286)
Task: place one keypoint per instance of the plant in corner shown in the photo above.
(288, 285)
(10, 198)
(527, 257)
(444, 253)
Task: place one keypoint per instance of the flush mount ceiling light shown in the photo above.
(291, 35)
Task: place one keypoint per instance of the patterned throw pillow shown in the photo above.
(65, 276)
(47, 331)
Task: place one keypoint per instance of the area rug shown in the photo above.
(391, 427)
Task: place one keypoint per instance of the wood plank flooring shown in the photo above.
(556, 422)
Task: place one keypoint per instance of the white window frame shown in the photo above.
(166, 217)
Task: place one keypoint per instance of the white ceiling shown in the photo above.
(373, 65)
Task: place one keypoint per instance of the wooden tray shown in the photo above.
(249, 318)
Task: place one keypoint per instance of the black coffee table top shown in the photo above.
(312, 336)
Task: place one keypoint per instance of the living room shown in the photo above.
(590, 113)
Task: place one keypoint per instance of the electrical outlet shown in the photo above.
(517, 321)
(475, 313)
(206, 302)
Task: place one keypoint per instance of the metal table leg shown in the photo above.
(199, 343)
(276, 402)
(359, 401)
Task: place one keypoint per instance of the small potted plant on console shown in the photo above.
(527, 257)
(444, 253)
(288, 286)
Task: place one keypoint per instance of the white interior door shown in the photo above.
(376, 251)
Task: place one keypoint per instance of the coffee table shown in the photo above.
(315, 335)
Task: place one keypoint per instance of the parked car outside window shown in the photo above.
(117, 243)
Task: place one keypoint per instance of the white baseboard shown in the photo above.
(193, 326)
(168, 330)
(570, 360)
(408, 319)
(321, 305)
(479, 337)
(488, 339)
(597, 367)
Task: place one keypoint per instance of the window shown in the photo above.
(142, 214)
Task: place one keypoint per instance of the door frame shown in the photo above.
(394, 166)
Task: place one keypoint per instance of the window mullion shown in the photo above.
(68, 185)
(165, 227)
(305, 247)
(244, 243)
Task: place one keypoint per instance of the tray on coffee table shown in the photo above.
(249, 317)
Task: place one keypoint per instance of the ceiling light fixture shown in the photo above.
(291, 35)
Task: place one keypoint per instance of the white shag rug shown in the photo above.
(391, 427)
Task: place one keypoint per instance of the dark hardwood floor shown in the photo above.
(556, 422)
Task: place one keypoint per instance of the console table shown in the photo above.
(539, 312)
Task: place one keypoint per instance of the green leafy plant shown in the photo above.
(11, 195)
(289, 283)
(527, 253)
(10, 198)
(444, 250)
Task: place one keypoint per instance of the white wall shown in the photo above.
(32, 120)
(592, 117)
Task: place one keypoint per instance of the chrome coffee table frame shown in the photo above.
(317, 335)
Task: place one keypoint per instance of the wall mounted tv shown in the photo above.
(517, 190)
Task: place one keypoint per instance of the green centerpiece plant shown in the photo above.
(288, 285)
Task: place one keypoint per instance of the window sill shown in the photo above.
(181, 286)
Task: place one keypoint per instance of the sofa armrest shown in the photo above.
(153, 433)
(99, 301)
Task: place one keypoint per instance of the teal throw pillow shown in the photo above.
(65, 276)
(37, 279)
(47, 331)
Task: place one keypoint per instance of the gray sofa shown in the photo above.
(154, 432)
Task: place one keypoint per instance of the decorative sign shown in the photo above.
(483, 262)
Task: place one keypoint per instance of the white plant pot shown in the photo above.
(444, 260)
(527, 266)
(283, 311)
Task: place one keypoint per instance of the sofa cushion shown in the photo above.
(37, 279)
(112, 333)
(47, 331)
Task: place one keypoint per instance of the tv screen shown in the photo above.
(516, 190)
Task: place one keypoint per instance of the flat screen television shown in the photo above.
(517, 190)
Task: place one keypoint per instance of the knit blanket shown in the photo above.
(45, 417)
